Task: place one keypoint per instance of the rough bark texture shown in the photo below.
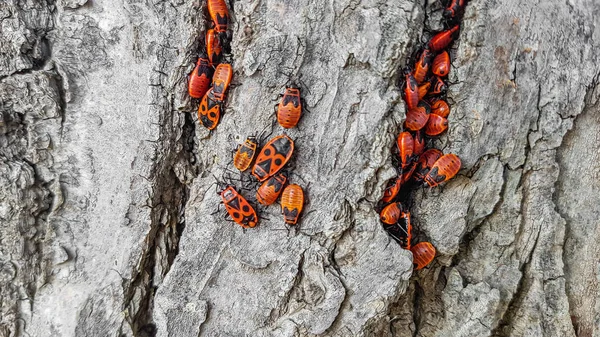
(107, 195)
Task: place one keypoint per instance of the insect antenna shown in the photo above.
(262, 136)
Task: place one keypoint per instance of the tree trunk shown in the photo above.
(110, 218)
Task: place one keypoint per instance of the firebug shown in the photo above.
(221, 81)
(441, 64)
(273, 156)
(417, 118)
(238, 208)
(422, 65)
(219, 14)
(436, 125)
(444, 169)
(425, 163)
(423, 254)
(200, 78)
(209, 111)
(391, 213)
(410, 90)
(440, 107)
(441, 40)
(245, 153)
(270, 189)
(406, 147)
(289, 109)
(213, 47)
(292, 202)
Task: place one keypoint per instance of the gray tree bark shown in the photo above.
(107, 192)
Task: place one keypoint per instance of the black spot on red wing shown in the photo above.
(235, 215)
(206, 121)
(277, 161)
(267, 152)
(282, 146)
(248, 219)
(212, 115)
(287, 99)
(246, 208)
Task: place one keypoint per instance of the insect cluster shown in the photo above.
(424, 86)
(211, 77)
(211, 84)
(267, 169)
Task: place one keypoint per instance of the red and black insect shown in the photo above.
(424, 89)
(417, 118)
(213, 47)
(441, 64)
(439, 87)
(391, 213)
(440, 107)
(270, 190)
(273, 156)
(245, 153)
(411, 90)
(200, 78)
(238, 208)
(209, 111)
(221, 81)
(292, 202)
(422, 65)
(219, 14)
(454, 9)
(444, 169)
(425, 163)
(441, 40)
(436, 125)
(419, 142)
(406, 147)
(392, 189)
(423, 254)
(289, 110)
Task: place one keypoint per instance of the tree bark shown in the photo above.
(107, 189)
